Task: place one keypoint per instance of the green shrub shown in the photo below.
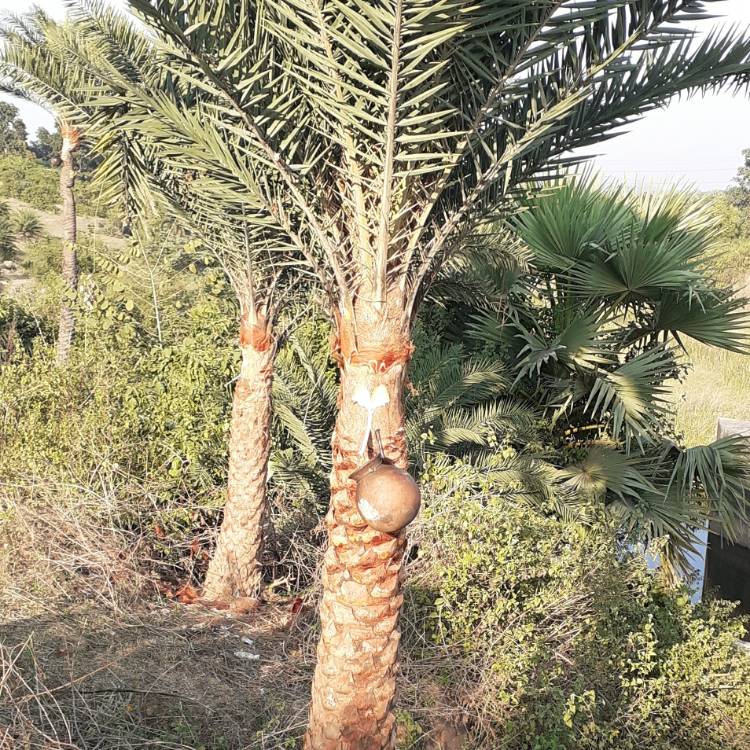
(28, 180)
(153, 413)
(27, 225)
(548, 634)
(19, 327)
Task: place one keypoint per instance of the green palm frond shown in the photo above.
(567, 225)
(526, 478)
(606, 470)
(377, 135)
(714, 317)
(632, 397)
(721, 473)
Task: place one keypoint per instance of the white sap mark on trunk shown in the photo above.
(368, 511)
(371, 402)
(330, 698)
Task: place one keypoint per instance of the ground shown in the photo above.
(160, 675)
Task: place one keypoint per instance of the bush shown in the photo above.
(546, 634)
(18, 329)
(26, 225)
(154, 417)
(28, 180)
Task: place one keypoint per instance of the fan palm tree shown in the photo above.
(375, 135)
(615, 282)
(36, 63)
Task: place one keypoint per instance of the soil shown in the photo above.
(15, 279)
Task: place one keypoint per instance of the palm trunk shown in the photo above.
(235, 569)
(355, 676)
(69, 257)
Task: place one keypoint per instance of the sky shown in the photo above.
(695, 142)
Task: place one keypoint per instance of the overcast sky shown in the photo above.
(696, 142)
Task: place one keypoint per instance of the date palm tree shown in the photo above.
(36, 63)
(375, 135)
(20, 34)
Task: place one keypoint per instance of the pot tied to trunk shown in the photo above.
(355, 676)
(235, 569)
(388, 498)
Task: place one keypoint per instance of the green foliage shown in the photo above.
(158, 411)
(26, 225)
(42, 257)
(614, 284)
(47, 145)
(25, 179)
(550, 635)
(12, 130)
(347, 151)
(146, 405)
(19, 328)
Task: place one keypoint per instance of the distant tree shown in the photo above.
(47, 145)
(12, 130)
(739, 193)
(23, 40)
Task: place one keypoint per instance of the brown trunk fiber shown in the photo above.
(69, 258)
(355, 675)
(235, 569)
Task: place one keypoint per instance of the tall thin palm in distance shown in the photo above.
(373, 137)
(26, 35)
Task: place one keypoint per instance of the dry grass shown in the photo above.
(717, 385)
(159, 676)
(92, 657)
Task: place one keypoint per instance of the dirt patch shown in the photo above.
(52, 225)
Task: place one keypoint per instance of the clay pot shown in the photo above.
(388, 498)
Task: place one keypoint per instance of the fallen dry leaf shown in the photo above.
(244, 604)
(187, 594)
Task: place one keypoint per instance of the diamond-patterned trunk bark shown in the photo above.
(355, 675)
(235, 569)
(69, 257)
